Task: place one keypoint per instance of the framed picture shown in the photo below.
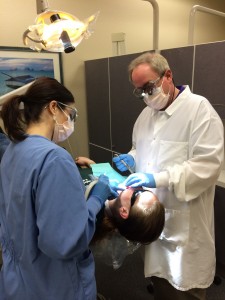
(19, 66)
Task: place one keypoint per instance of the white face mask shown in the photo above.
(158, 100)
(63, 131)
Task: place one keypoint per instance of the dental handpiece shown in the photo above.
(125, 164)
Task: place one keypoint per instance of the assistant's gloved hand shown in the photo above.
(140, 179)
(127, 158)
(114, 192)
(102, 190)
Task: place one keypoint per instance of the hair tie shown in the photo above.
(22, 98)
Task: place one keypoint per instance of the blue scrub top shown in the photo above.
(46, 225)
(4, 142)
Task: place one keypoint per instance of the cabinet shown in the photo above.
(219, 206)
(208, 74)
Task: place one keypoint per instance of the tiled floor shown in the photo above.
(128, 282)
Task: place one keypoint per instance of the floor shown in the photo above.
(128, 282)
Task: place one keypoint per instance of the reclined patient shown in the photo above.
(138, 215)
(135, 217)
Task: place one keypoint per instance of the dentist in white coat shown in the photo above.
(177, 151)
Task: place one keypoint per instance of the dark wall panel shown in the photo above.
(220, 225)
(209, 74)
(100, 155)
(181, 64)
(125, 107)
(97, 88)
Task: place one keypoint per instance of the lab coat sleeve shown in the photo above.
(133, 152)
(206, 152)
(66, 224)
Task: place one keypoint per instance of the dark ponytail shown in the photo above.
(13, 118)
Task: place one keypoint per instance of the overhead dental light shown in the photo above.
(56, 31)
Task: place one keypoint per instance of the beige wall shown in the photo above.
(133, 17)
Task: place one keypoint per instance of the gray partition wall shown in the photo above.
(112, 108)
(110, 101)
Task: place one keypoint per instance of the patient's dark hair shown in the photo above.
(142, 225)
(103, 229)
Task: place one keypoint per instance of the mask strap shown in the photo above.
(54, 118)
(68, 117)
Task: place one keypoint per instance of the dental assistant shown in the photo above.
(177, 149)
(46, 223)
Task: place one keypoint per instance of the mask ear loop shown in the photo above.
(54, 118)
(67, 140)
(68, 116)
(173, 88)
(71, 150)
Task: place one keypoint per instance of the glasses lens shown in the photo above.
(73, 111)
(138, 93)
(134, 197)
(146, 89)
(73, 114)
(149, 88)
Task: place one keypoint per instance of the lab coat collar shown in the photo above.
(178, 101)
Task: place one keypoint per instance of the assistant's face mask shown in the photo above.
(64, 130)
(158, 100)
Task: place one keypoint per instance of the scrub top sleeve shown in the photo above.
(93, 205)
(62, 215)
(4, 142)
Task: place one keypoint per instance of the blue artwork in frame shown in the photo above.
(19, 66)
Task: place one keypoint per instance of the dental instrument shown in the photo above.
(125, 164)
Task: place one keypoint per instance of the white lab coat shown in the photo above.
(183, 147)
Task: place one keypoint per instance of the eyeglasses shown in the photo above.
(134, 197)
(73, 111)
(147, 88)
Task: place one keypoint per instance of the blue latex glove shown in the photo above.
(102, 190)
(127, 158)
(114, 192)
(140, 179)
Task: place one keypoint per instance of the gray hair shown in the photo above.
(157, 62)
